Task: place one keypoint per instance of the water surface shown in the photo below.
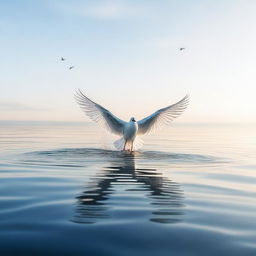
(189, 191)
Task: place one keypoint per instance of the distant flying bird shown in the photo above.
(62, 59)
(182, 48)
(71, 67)
(129, 130)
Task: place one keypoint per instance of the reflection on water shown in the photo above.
(114, 186)
(115, 189)
(164, 196)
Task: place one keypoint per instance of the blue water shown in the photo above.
(64, 191)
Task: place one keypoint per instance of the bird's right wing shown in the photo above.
(99, 114)
(162, 117)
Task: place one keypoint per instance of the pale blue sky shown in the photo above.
(126, 58)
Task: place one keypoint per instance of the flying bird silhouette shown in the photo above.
(129, 130)
(71, 67)
(182, 48)
(62, 59)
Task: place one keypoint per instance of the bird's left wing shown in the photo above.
(99, 114)
(162, 117)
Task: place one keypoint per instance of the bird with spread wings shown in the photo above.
(129, 131)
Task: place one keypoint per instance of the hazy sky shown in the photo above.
(126, 57)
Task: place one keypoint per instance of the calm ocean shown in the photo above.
(191, 190)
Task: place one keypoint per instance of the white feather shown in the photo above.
(137, 143)
(99, 114)
(162, 117)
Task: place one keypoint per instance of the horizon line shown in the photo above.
(93, 123)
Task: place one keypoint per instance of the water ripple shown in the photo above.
(80, 157)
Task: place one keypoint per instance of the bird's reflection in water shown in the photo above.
(162, 198)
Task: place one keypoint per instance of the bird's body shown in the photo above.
(129, 131)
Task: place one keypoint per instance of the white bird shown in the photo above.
(129, 130)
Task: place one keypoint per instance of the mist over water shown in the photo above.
(65, 191)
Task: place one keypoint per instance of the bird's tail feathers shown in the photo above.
(137, 144)
(119, 144)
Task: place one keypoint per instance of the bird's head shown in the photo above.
(132, 119)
